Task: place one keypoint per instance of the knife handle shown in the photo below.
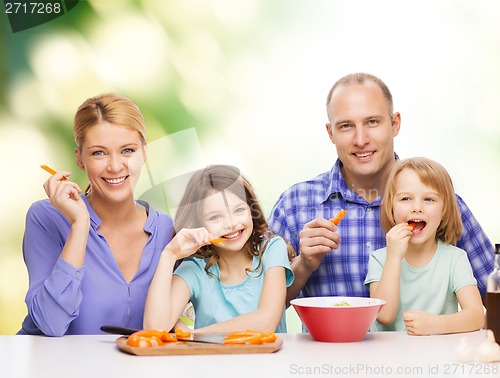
(117, 330)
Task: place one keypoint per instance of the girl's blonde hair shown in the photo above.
(431, 174)
(217, 178)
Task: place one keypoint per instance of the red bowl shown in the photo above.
(327, 321)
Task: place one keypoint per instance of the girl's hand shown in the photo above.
(419, 323)
(64, 195)
(397, 240)
(187, 241)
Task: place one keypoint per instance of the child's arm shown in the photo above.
(163, 308)
(470, 318)
(167, 295)
(388, 286)
(271, 307)
(388, 290)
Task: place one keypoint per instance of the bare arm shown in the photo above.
(317, 238)
(268, 315)
(470, 318)
(388, 290)
(388, 286)
(163, 309)
(168, 294)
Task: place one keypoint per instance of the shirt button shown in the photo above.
(78, 273)
(368, 209)
(369, 244)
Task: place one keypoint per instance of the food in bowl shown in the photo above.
(342, 303)
(337, 319)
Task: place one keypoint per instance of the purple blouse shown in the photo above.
(64, 300)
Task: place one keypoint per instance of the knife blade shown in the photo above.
(209, 338)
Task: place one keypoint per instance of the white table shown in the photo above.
(387, 354)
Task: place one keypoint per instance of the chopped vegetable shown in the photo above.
(250, 337)
(181, 334)
(338, 217)
(150, 337)
(342, 304)
(218, 240)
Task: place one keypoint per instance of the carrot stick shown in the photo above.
(338, 217)
(215, 241)
(51, 171)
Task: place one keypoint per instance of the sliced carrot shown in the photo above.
(268, 337)
(150, 337)
(218, 240)
(250, 337)
(254, 339)
(143, 342)
(51, 171)
(336, 220)
(181, 334)
(169, 337)
(240, 334)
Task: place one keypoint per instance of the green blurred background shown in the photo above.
(244, 82)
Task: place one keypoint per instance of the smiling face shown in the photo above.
(226, 215)
(419, 203)
(362, 129)
(113, 156)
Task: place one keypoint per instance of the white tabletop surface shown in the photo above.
(383, 354)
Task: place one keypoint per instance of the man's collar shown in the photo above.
(337, 185)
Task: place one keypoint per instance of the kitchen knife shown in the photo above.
(210, 338)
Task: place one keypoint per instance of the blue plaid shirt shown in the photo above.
(342, 272)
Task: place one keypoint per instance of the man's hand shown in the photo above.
(317, 238)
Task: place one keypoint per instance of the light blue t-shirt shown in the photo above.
(431, 288)
(215, 302)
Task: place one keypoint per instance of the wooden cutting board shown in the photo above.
(182, 347)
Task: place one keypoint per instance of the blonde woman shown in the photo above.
(91, 256)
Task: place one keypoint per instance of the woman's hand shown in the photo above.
(397, 240)
(64, 195)
(187, 241)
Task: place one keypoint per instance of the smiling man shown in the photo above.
(331, 260)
